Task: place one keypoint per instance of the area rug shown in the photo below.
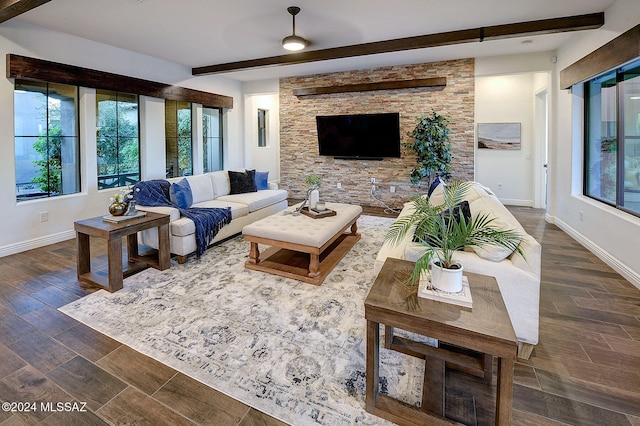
(292, 350)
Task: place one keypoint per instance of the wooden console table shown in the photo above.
(486, 328)
(113, 233)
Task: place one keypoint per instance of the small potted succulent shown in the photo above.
(313, 195)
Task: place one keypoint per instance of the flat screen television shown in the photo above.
(359, 136)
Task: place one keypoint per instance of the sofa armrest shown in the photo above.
(174, 213)
(273, 185)
(532, 256)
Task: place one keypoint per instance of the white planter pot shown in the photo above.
(314, 197)
(444, 279)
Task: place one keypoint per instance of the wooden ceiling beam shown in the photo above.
(32, 69)
(496, 32)
(12, 8)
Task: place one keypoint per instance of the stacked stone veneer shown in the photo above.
(299, 140)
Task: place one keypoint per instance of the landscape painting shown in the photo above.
(499, 135)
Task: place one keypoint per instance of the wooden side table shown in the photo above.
(486, 328)
(113, 233)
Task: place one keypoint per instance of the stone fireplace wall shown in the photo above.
(299, 140)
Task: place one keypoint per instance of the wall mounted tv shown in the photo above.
(359, 136)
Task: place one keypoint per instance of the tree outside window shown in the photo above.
(118, 142)
(47, 154)
(179, 152)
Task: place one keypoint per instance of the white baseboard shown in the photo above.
(36, 243)
(632, 276)
(515, 202)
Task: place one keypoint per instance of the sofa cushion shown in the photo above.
(180, 194)
(220, 181)
(185, 226)
(237, 209)
(201, 188)
(256, 200)
(503, 220)
(242, 182)
(262, 180)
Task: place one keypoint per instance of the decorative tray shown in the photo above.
(117, 219)
(317, 214)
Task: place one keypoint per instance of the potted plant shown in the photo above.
(313, 195)
(432, 147)
(445, 229)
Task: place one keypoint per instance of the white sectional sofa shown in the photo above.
(213, 190)
(518, 278)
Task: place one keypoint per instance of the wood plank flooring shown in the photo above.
(584, 371)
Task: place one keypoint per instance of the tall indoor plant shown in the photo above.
(432, 148)
(444, 229)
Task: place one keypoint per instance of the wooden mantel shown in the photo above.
(437, 82)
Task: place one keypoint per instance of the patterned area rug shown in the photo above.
(292, 350)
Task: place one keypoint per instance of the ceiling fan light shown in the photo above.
(294, 43)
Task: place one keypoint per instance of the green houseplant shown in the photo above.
(443, 229)
(313, 181)
(432, 148)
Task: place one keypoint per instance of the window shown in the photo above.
(262, 127)
(212, 139)
(612, 138)
(47, 152)
(178, 138)
(118, 139)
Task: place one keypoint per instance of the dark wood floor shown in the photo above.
(585, 370)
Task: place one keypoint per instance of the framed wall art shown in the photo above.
(499, 135)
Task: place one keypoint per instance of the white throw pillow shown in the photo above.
(503, 220)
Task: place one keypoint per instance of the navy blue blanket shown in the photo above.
(208, 221)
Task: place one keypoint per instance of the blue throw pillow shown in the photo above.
(180, 194)
(262, 180)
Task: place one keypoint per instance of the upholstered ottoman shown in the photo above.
(302, 247)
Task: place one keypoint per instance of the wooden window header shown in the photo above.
(618, 51)
(25, 68)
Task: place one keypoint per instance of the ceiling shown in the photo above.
(197, 33)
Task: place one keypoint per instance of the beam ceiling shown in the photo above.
(12, 8)
(496, 32)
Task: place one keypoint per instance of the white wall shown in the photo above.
(20, 225)
(610, 234)
(505, 92)
(263, 94)
(509, 173)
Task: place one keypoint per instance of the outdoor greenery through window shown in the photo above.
(212, 139)
(118, 139)
(262, 127)
(612, 142)
(47, 153)
(178, 138)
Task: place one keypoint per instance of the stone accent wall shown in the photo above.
(299, 140)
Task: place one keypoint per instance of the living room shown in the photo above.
(496, 84)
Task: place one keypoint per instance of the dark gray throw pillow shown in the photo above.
(459, 210)
(242, 182)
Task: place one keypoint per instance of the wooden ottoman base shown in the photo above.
(300, 262)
